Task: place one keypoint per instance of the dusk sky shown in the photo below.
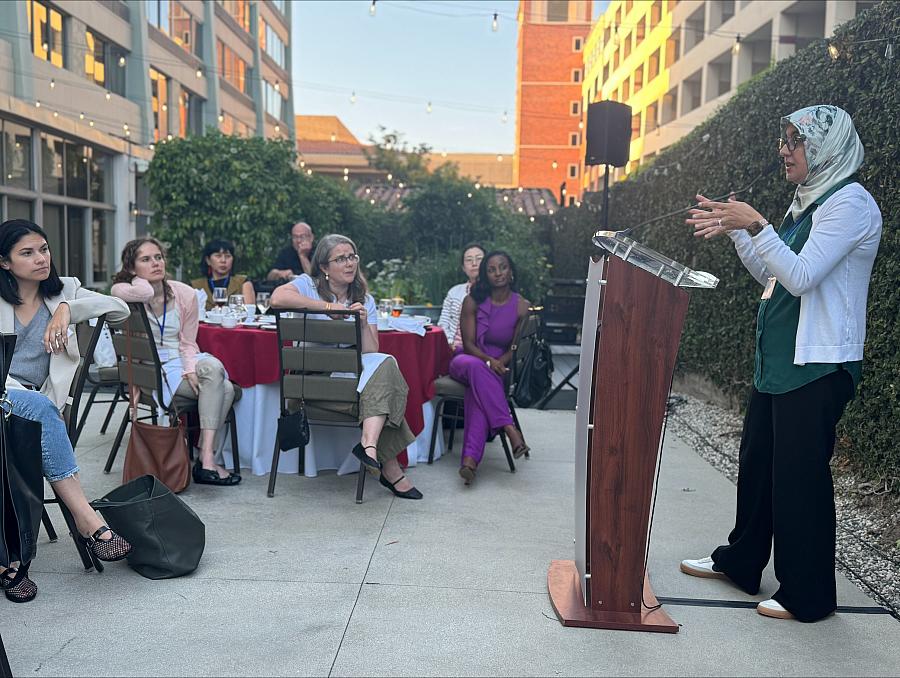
(408, 54)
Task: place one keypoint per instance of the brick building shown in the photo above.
(548, 94)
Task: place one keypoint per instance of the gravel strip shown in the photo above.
(866, 521)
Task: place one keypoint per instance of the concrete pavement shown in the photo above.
(309, 583)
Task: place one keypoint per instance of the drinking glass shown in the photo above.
(384, 308)
(236, 304)
(220, 296)
(262, 302)
(396, 307)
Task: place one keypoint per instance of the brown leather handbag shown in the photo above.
(159, 451)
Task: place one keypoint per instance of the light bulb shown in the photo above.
(37, 104)
(152, 147)
(428, 108)
(277, 129)
(390, 177)
(165, 107)
(504, 117)
(333, 137)
(550, 212)
(125, 126)
(346, 170)
(52, 83)
(468, 195)
(372, 201)
(400, 185)
(55, 114)
(477, 186)
(554, 164)
(737, 45)
(108, 95)
(302, 164)
(346, 178)
(277, 86)
(121, 61)
(127, 133)
(372, 8)
(530, 218)
(353, 97)
(222, 116)
(833, 51)
(81, 116)
(499, 158)
(443, 154)
(199, 73)
(309, 172)
(494, 23)
(169, 137)
(91, 123)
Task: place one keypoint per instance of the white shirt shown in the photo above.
(830, 274)
(450, 312)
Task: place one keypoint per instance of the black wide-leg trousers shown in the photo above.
(785, 495)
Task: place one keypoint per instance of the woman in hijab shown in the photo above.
(811, 325)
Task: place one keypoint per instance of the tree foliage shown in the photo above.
(393, 154)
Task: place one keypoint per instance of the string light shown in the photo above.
(222, 116)
(165, 107)
(199, 73)
(477, 186)
(504, 117)
(736, 49)
(833, 51)
(121, 62)
(302, 164)
(169, 137)
(152, 147)
(333, 137)
(81, 115)
(353, 98)
(91, 123)
(428, 108)
(390, 177)
(494, 23)
(55, 114)
(372, 9)
(277, 129)
(346, 171)
(277, 86)
(108, 95)
(37, 104)
(52, 83)
(499, 158)
(309, 172)
(554, 164)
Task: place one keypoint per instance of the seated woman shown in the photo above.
(172, 309)
(336, 282)
(472, 256)
(217, 266)
(490, 316)
(41, 309)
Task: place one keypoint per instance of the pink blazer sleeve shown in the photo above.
(186, 299)
(138, 290)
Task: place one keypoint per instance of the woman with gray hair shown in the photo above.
(810, 331)
(336, 282)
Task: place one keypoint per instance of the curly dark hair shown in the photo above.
(481, 290)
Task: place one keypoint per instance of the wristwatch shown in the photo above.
(488, 363)
(756, 227)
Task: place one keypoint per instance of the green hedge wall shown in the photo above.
(718, 338)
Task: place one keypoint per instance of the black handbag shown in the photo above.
(166, 536)
(21, 477)
(534, 381)
(293, 427)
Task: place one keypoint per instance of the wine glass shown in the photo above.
(396, 307)
(220, 296)
(236, 305)
(384, 308)
(262, 302)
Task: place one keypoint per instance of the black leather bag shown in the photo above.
(166, 536)
(534, 381)
(21, 477)
(293, 427)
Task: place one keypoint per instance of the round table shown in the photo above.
(251, 357)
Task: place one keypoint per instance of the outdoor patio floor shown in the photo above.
(309, 583)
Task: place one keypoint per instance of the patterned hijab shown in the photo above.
(833, 151)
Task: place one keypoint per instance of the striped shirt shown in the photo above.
(450, 313)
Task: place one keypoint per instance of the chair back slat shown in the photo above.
(320, 387)
(317, 331)
(319, 359)
(145, 376)
(528, 334)
(141, 348)
(145, 363)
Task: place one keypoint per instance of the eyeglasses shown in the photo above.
(344, 258)
(302, 238)
(791, 142)
(473, 260)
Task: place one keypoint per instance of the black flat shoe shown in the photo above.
(360, 453)
(411, 493)
(205, 476)
(18, 588)
(108, 550)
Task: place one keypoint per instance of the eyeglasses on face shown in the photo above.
(302, 238)
(344, 258)
(473, 260)
(791, 142)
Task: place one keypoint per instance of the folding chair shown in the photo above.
(311, 349)
(146, 369)
(103, 377)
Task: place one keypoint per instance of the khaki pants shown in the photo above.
(216, 393)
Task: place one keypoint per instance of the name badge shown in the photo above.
(770, 287)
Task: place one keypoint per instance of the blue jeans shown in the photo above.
(57, 455)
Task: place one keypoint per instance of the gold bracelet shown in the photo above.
(327, 307)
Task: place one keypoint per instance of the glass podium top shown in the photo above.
(620, 245)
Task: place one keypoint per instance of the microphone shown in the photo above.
(766, 171)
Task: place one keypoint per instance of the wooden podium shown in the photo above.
(634, 312)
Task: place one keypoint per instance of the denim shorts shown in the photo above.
(58, 457)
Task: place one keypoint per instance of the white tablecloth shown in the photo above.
(329, 446)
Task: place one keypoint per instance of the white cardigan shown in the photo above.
(830, 274)
(83, 305)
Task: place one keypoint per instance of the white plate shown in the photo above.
(267, 327)
(424, 318)
(248, 323)
(267, 319)
(213, 321)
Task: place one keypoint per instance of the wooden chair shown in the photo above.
(311, 349)
(447, 389)
(146, 370)
(87, 337)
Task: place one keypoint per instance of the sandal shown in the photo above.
(205, 476)
(467, 473)
(108, 550)
(18, 588)
(522, 449)
(412, 493)
(372, 465)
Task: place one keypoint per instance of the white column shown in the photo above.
(836, 13)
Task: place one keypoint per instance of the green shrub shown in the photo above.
(718, 340)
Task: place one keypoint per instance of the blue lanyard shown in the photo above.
(213, 286)
(162, 327)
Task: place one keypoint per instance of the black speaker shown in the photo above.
(608, 134)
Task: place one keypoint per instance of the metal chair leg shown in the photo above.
(276, 454)
(438, 413)
(512, 411)
(509, 457)
(452, 433)
(119, 395)
(48, 526)
(360, 482)
(116, 443)
(87, 558)
(235, 452)
(87, 408)
(5, 669)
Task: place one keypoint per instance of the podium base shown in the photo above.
(568, 602)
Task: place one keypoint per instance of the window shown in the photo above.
(19, 209)
(635, 126)
(626, 89)
(655, 13)
(183, 29)
(672, 48)
(101, 240)
(574, 139)
(77, 159)
(575, 108)
(231, 125)
(233, 68)
(271, 43)
(52, 154)
(46, 28)
(239, 11)
(159, 102)
(158, 14)
(104, 63)
(272, 100)
(279, 5)
(576, 75)
(557, 10)
(640, 29)
(670, 106)
(101, 173)
(606, 72)
(573, 171)
(653, 65)
(650, 118)
(616, 60)
(637, 78)
(16, 151)
(577, 44)
(190, 113)
(627, 46)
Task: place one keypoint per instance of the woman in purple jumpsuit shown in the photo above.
(489, 319)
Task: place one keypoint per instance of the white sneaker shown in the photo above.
(701, 568)
(772, 608)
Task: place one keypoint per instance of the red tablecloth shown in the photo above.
(251, 358)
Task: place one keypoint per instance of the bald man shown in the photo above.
(294, 259)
